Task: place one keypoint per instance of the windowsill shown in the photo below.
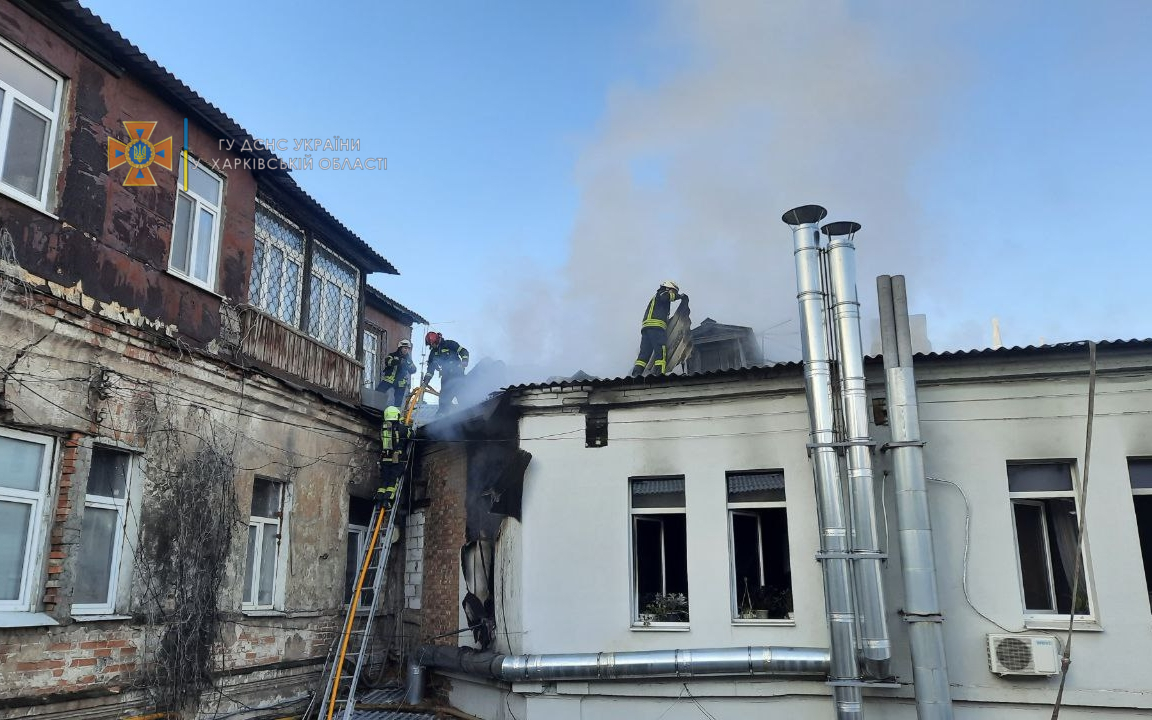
(662, 627)
(81, 617)
(763, 622)
(194, 282)
(1056, 623)
(265, 612)
(24, 201)
(9, 619)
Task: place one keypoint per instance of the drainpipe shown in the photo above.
(876, 649)
(844, 674)
(709, 662)
(918, 561)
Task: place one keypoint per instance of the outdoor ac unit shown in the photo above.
(1023, 654)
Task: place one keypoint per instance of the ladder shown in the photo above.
(351, 646)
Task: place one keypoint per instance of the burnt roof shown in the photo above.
(99, 40)
(381, 301)
(782, 368)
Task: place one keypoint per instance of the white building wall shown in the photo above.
(574, 550)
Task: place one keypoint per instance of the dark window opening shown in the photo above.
(880, 411)
(596, 428)
(660, 550)
(761, 568)
(1140, 473)
(1046, 536)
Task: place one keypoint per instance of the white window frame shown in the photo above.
(361, 533)
(634, 521)
(267, 273)
(121, 563)
(278, 525)
(373, 365)
(52, 114)
(37, 525)
(1035, 499)
(317, 314)
(217, 213)
(748, 509)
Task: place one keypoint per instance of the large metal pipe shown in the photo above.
(709, 662)
(868, 570)
(914, 527)
(844, 672)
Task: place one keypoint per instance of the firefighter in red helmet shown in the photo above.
(451, 359)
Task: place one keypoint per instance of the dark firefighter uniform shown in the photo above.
(398, 369)
(395, 436)
(451, 359)
(654, 331)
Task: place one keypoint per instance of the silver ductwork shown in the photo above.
(875, 646)
(834, 554)
(918, 559)
(709, 662)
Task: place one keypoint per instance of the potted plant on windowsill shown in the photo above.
(666, 607)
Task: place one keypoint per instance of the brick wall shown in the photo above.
(38, 661)
(414, 560)
(445, 470)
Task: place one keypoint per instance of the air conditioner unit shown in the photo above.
(1023, 654)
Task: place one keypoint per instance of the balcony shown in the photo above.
(281, 349)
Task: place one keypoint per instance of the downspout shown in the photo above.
(918, 561)
(834, 553)
(710, 662)
(875, 646)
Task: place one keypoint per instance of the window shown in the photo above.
(196, 228)
(758, 538)
(659, 551)
(333, 301)
(23, 499)
(29, 112)
(102, 532)
(276, 265)
(264, 539)
(1044, 512)
(596, 427)
(374, 343)
(359, 520)
(1140, 474)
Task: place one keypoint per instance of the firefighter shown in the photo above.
(398, 369)
(451, 359)
(654, 329)
(395, 436)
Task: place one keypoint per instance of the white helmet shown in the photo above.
(404, 344)
(670, 285)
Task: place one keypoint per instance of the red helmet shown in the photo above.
(432, 338)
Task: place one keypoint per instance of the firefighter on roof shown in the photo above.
(451, 359)
(398, 369)
(654, 329)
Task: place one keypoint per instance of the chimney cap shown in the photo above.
(835, 229)
(804, 215)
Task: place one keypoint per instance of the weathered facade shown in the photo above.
(182, 440)
(679, 513)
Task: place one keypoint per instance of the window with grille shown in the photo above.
(102, 532)
(333, 301)
(659, 551)
(265, 538)
(1046, 520)
(758, 538)
(373, 356)
(277, 263)
(29, 115)
(26, 462)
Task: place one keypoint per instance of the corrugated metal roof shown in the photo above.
(792, 367)
(88, 25)
(391, 695)
(374, 294)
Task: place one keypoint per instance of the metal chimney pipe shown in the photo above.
(914, 527)
(844, 673)
(868, 571)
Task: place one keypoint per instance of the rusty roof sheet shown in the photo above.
(103, 38)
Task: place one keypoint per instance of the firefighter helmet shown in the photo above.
(670, 285)
(432, 338)
(404, 344)
(391, 413)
